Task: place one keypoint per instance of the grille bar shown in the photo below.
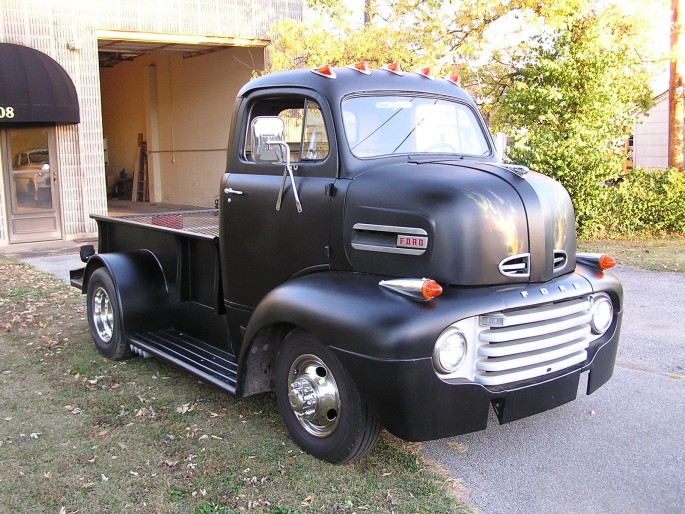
(533, 342)
(501, 377)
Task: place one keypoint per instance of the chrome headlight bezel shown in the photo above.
(450, 350)
(602, 312)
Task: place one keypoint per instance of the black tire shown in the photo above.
(104, 317)
(320, 404)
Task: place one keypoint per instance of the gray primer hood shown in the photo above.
(459, 223)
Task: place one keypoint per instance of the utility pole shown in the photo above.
(676, 107)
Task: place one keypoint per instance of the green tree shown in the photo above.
(570, 100)
(414, 33)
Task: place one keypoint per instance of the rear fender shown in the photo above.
(141, 288)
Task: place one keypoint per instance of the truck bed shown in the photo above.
(197, 223)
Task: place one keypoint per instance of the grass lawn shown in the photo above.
(79, 433)
(658, 254)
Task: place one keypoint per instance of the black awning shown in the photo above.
(34, 88)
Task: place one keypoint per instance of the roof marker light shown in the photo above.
(421, 289)
(425, 72)
(362, 67)
(455, 76)
(454, 79)
(393, 67)
(325, 71)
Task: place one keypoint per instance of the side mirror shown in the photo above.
(265, 131)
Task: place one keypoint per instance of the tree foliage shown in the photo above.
(412, 32)
(576, 93)
(568, 87)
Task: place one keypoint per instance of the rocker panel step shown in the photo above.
(205, 361)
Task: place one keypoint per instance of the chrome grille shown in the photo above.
(529, 343)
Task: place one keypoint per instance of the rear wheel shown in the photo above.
(321, 407)
(104, 316)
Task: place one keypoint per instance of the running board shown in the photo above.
(205, 361)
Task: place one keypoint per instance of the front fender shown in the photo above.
(350, 311)
(385, 342)
(141, 288)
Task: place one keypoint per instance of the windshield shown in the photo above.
(386, 125)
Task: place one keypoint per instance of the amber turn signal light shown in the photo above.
(606, 262)
(430, 289)
(421, 289)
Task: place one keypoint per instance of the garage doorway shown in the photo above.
(31, 184)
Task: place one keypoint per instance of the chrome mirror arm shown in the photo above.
(288, 171)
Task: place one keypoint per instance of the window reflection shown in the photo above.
(31, 175)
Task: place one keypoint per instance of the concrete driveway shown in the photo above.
(620, 450)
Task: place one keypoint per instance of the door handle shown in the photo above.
(231, 191)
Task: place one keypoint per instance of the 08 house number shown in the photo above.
(6, 112)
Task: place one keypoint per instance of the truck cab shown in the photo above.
(371, 261)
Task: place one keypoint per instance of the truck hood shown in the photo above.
(461, 223)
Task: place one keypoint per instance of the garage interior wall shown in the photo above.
(183, 108)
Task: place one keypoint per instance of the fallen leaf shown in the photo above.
(457, 447)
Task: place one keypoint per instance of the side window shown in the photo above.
(315, 139)
(305, 131)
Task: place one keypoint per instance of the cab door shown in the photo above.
(261, 246)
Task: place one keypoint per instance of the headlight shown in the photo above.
(602, 314)
(450, 351)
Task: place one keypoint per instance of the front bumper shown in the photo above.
(413, 403)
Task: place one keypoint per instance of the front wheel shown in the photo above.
(104, 316)
(321, 407)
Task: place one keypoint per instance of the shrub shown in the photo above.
(647, 202)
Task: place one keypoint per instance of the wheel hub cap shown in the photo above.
(313, 396)
(103, 315)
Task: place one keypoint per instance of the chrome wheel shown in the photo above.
(103, 314)
(313, 395)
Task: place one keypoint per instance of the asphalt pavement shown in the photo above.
(619, 450)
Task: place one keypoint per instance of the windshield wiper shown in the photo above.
(433, 160)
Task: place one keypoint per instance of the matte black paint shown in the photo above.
(271, 271)
(385, 342)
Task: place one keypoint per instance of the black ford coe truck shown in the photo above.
(371, 261)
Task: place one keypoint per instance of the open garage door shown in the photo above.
(173, 96)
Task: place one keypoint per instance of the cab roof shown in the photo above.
(346, 81)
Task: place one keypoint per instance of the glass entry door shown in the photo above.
(31, 184)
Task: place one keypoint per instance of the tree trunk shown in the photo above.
(676, 110)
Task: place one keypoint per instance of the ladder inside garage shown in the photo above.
(141, 190)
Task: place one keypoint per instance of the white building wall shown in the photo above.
(650, 138)
(48, 25)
